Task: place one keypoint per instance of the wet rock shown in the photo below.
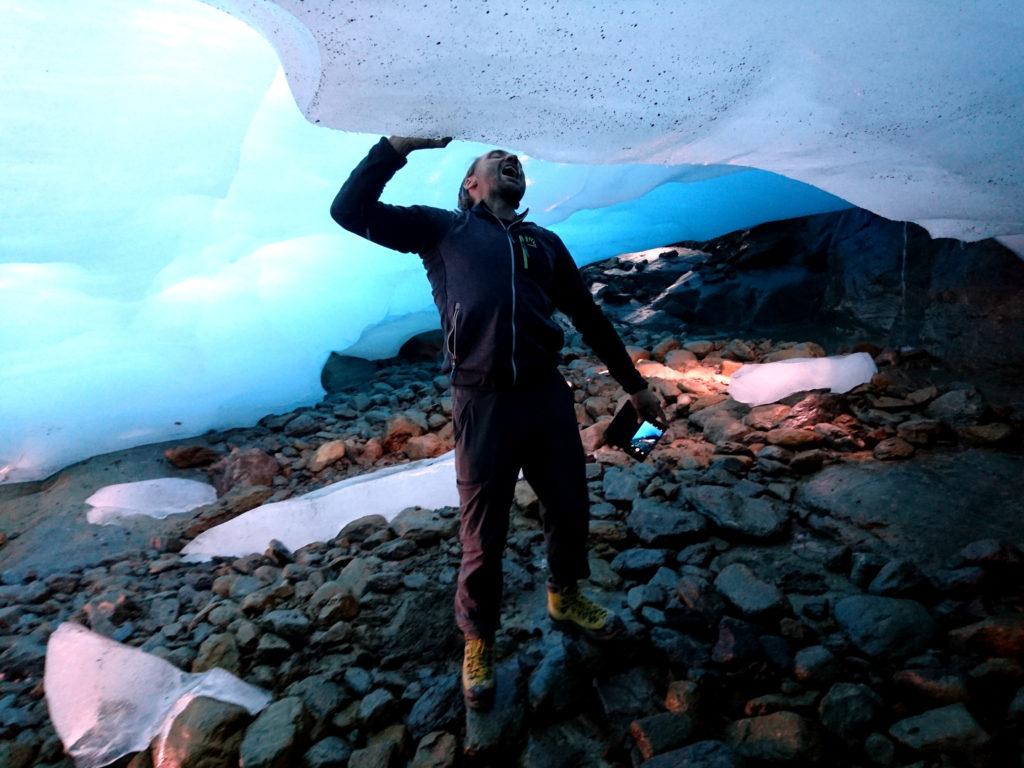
(781, 736)
(330, 752)
(749, 594)
(996, 636)
(383, 749)
(242, 468)
(425, 446)
(188, 456)
(218, 650)
(437, 749)
(661, 732)
(327, 454)
(898, 578)
(275, 738)
(423, 526)
(439, 707)
(754, 517)
(766, 417)
(849, 709)
(488, 731)
(892, 449)
(947, 729)
(794, 439)
(663, 525)
(885, 626)
(815, 665)
(206, 734)
(701, 754)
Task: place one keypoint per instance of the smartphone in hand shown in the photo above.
(632, 435)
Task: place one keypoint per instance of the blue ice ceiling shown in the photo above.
(167, 263)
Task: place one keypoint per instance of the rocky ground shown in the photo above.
(832, 580)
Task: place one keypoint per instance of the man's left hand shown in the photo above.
(648, 406)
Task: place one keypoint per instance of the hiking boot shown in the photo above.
(571, 611)
(478, 673)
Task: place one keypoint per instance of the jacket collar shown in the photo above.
(482, 209)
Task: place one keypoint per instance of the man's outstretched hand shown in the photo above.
(648, 406)
(405, 144)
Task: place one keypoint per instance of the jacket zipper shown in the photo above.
(455, 335)
(512, 263)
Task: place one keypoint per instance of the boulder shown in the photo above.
(401, 427)
(757, 518)
(662, 525)
(327, 454)
(749, 594)
(206, 734)
(275, 738)
(780, 736)
(942, 730)
(343, 371)
(884, 627)
(423, 526)
(1001, 636)
(241, 468)
(188, 456)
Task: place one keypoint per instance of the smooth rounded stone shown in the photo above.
(780, 736)
(661, 732)
(569, 744)
(700, 754)
(893, 449)
(489, 731)
(747, 593)
(206, 734)
(995, 636)
(438, 708)
(218, 650)
(946, 729)
(815, 664)
(289, 623)
(794, 439)
(885, 626)
(376, 708)
(662, 525)
(807, 462)
(437, 749)
(754, 517)
(358, 680)
(273, 739)
(397, 549)
(879, 750)
(330, 752)
(640, 563)
(849, 709)
(423, 526)
(383, 749)
(958, 407)
(620, 485)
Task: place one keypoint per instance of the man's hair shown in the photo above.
(465, 201)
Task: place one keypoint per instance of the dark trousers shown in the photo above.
(498, 432)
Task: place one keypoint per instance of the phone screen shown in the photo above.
(645, 439)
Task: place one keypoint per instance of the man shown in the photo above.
(496, 280)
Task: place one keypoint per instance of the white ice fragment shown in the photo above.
(319, 515)
(758, 384)
(107, 700)
(157, 498)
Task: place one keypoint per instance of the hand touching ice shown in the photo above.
(405, 144)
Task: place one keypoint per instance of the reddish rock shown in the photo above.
(892, 449)
(239, 468)
(766, 417)
(425, 446)
(327, 454)
(593, 436)
(794, 439)
(987, 434)
(238, 500)
(188, 456)
(729, 367)
(401, 427)
(804, 349)
(680, 359)
(996, 636)
(636, 354)
(663, 347)
(920, 431)
(372, 451)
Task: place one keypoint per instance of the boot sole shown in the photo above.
(571, 627)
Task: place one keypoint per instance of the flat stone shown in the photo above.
(620, 485)
(885, 626)
(794, 439)
(489, 731)
(664, 525)
(781, 736)
(423, 526)
(749, 594)
(289, 623)
(995, 636)
(438, 708)
(218, 650)
(558, 684)
(946, 729)
(640, 563)
(892, 449)
(754, 517)
(958, 407)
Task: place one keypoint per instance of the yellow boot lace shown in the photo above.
(578, 607)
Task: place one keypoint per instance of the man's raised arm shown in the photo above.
(357, 206)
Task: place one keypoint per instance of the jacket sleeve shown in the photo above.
(573, 298)
(357, 207)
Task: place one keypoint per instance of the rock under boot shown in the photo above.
(478, 673)
(571, 611)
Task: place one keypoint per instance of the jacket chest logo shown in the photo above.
(526, 244)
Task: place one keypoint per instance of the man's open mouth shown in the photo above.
(511, 172)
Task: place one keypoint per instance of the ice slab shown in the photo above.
(107, 700)
(912, 110)
(157, 498)
(319, 515)
(762, 383)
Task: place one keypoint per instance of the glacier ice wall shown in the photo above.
(167, 262)
(913, 110)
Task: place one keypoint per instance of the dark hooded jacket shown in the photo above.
(495, 284)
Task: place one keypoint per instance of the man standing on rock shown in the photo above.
(496, 280)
